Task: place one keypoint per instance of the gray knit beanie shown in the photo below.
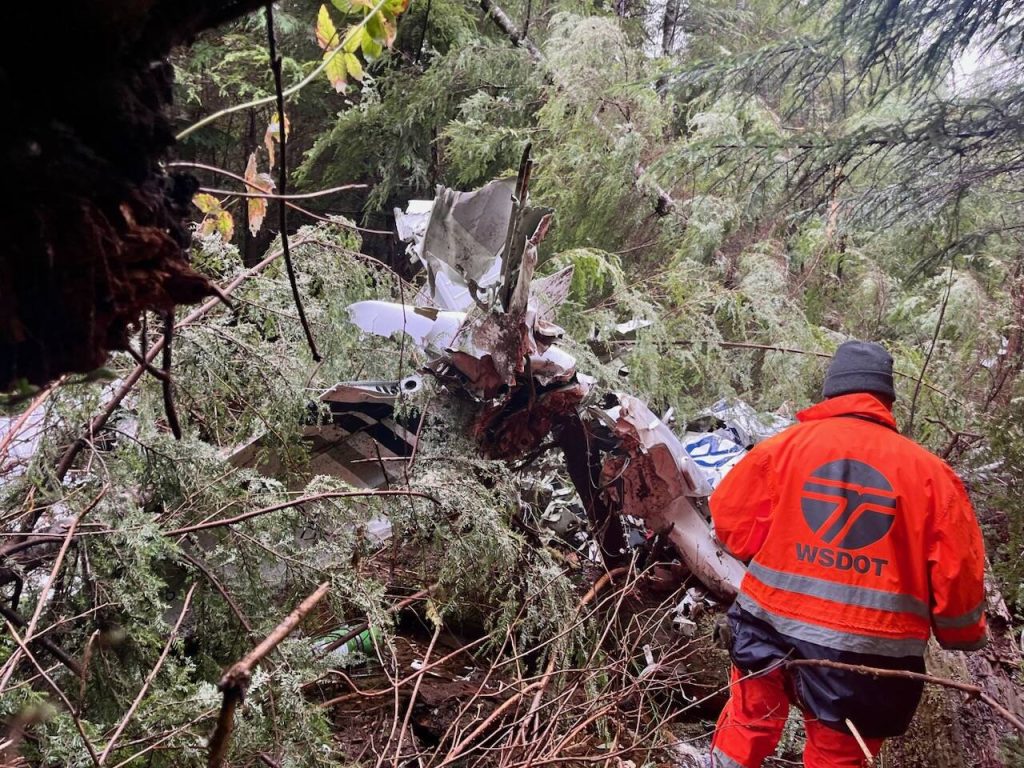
(860, 366)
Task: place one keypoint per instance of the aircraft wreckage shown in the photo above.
(485, 323)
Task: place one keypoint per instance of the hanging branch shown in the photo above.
(909, 431)
(282, 180)
(236, 680)
(165, 381)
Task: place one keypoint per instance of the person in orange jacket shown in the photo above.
(860, 544)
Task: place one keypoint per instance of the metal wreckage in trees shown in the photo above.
(485, 321)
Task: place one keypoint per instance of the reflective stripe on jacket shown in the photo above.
(859, 539)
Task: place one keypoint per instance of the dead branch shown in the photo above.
(149, 678)
(593, 592)
(973, 690)
(235, 680)
(12, 662)
(792, 351)
(19, 424)
(165, 381)
(415, 692)
(43, 642)
(909, 429)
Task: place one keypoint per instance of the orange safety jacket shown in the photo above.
(858, 538)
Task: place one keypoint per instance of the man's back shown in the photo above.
(857, 536)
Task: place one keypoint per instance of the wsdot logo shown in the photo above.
(848, 503)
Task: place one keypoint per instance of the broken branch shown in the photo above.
(293, 503)
(235, 681)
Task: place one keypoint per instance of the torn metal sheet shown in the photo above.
(460, 238)
(651, 476)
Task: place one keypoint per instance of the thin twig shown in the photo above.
(328, 58)
(293, 206)
(282, 181)
(149, 678)
(909, 431)
(235, 680)
(274, 196)
(19, 424)
(56, 689)
(43, 642)
(415, 693)
(294, 502)
(973, 690)
(860, 741)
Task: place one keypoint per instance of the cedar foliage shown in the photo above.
(833, 177)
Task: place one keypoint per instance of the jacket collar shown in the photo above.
(860, 404)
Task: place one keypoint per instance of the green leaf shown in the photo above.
(372, 49)
(336, 72)
(375, 28)
(344, 6)
(326, 33)
(354, 66)
(354, 39)
(206, 203)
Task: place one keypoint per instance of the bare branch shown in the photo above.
(235, 680)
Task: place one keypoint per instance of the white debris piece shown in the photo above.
(714, 452)
(432, 330)
(749, 427)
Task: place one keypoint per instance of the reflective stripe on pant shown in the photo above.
(751, 724)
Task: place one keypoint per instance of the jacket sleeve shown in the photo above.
(743, 503)
(956, 572)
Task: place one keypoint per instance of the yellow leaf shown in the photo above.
(354, 66)
(336, 72)
(390, 33)
(225, 225)
(273, 134)
(206, 203)
(326, 34)
(256, 182)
